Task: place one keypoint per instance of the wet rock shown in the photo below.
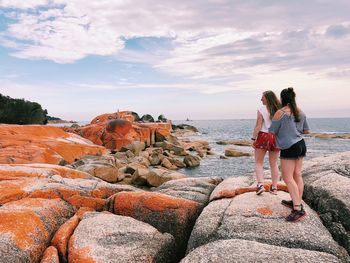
(162, 118)
(167, 164)
(136, 116)
(236, 153)
(102, 237)
(178, 163)
(147, 118)
(235, 142)
(170, 147)
(331, 135)
(187, 127)
(192, 161)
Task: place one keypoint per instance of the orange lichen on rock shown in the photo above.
(125, 115)
(102, 192)
(230, 193)
(18, 188)
(226, 194)
(61, 237)
(42, 144)
(50, 255)
(28, 224)
(39, 170)
(78, 201)
(266, 211)
(282, 187)
(115, 130)
(243, 190)
(141, 205)
(82, 210)
(166, 213)
(11, 190)
(130, 202)
(79, 255)
(24, 227)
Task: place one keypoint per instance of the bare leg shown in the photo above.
(298, 177)
(259, 165)
(273, 156)
(288, 168)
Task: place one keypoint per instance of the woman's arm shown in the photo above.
(258, 125)
(277, 115)
(276, 123)
(306, 129)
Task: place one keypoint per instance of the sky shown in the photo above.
(185, 59)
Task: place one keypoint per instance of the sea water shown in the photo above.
(217, 130)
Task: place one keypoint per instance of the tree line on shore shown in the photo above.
(20, 111)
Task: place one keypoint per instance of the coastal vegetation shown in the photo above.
(20, 111)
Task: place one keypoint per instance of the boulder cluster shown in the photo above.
(111, 192)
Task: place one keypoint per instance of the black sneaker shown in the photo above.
(288, 203)
(296, 215)
(260, 189)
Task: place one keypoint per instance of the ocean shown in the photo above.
(217, 130)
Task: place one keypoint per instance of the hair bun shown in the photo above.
(290, 89)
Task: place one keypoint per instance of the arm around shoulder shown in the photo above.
(277, 115)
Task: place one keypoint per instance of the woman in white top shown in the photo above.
(265, 141)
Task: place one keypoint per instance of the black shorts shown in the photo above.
(296, 151)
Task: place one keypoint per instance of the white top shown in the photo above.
(266, 116)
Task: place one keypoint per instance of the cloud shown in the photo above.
(218, 40)
(338, 31)
(23, 4)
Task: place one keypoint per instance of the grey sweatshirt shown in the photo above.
(287, 131)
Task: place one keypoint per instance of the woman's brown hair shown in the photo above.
(272, 103)
(288, 98)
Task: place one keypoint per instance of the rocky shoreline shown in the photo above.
(115, 195)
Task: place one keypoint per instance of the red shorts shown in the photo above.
(266, 140)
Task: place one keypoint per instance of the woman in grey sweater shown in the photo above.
(288, 124)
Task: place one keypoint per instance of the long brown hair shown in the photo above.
(288, 99)
(272, 103)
